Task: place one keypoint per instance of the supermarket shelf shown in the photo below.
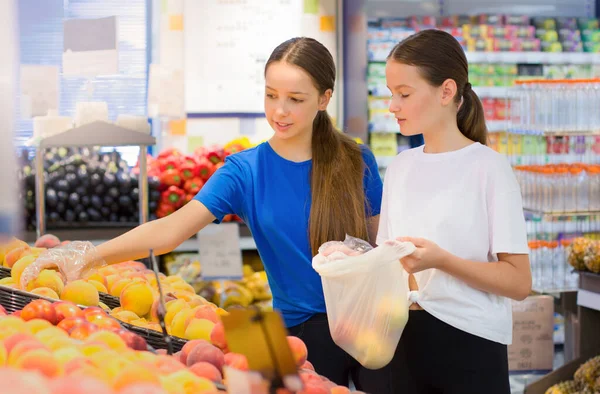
(533, 57)
(588, 295)
(555, 133)
(496, 125)
(491, 91)
(558, 215)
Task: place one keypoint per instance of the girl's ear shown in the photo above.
(324, 99)
(448, 91)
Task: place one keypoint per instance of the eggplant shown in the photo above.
(81, 190)
(53, 217)
(135, 194)
(94, 215)
(72, 180)
(123, 180)
(125, 202)
(114, 217)
(154, 195)
(108, 201)
(152, 206)
(109, 180)
(78, 209)
(153, 183)
(105, 211)
(83, 217)
(86, 201)
(114, 207)
(83, 176)
(62, 185)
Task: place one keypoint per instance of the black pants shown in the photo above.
(334, 363)
(436, 358)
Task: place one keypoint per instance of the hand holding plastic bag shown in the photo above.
(366, 295)
(74, 260)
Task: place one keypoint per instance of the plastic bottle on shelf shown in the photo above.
(582, 189)
(594, 187)
(536, 271)
(558, 265)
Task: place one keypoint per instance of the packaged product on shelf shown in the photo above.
(491, 19)
(566, 23)
(588, 23)
(366, 317)
(546, 23)
(529, 45)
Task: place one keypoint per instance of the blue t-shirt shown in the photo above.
(273, 197)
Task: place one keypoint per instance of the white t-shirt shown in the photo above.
(468, 202)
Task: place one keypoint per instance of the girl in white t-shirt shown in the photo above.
(459, 203)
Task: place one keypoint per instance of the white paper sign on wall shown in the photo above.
(220, 253)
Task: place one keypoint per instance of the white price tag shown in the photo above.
(220, 253)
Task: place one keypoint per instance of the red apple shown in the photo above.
(83, 330)
(133, 340)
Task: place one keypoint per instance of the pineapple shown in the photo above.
(592, 260)
(588, 373)
(568, 387)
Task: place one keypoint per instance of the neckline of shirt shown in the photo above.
(283, 159)
(421, 155)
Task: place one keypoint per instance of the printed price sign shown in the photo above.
(220, 253)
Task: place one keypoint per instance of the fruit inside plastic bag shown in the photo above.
(366, 295)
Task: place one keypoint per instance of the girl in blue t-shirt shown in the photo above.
(307, 185)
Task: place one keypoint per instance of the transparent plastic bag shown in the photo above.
(366, 295)
(74, 261)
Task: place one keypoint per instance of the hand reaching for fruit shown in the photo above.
(427, 255)
(73, 260)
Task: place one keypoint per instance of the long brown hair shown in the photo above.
(338, 198)
(439, 57)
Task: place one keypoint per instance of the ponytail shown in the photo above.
(338, 199)
(470, 117)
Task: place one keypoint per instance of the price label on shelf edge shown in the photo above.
(220, 253)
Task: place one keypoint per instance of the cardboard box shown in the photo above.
(533, 335)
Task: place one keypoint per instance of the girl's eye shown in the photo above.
(405, 95)
(269, 95)
(296, 100)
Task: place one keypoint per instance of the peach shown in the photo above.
(237, 361)
(208, 353)
(137, 298)
(168, 364)
(81, 293)
(36, 325)
(66, 309)
(217, 336)
(47, 241)
(65, 354)
(51, 333)
(22, 348)
(79, 385)
(45, 292)
(98, 277)
(117, 286)
(98, 285)
(180, 322)
(19, 267)
(207, 312)
(13, 244)
(3, 355)
(173, 307)
(133, 340)
(104, 322)
(110, 339)
(111, 280)
(299, 350)
(58, 343)
(104, 307)
(70, 323)
(83, 330)
(15, 255)
(189, 346)
(186, 382)
(40, 309)
(125, 316)
(207, 370)
(154, 309)
(199, 329)
(7, 281)
(50, 279)
(314, 388)
(133, 374)
(13, 323)
(143, 388)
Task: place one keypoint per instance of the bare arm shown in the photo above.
(509, 277)
(162, 235)
(372, 228)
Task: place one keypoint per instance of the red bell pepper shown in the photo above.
(233, 149)
(169, 152)
(169, 163)
(189, 160)
(174, 196)
(188, 198)
(164, 209)
(204, 169)
(215, 154)
(188, 171)
(200, 152)
(193, 186)
(170, 178)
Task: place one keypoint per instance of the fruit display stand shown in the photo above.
(97, 133)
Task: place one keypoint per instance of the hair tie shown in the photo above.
(467, 87)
